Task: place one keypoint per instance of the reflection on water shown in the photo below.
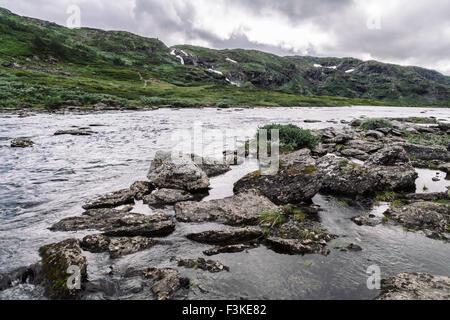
(43, 184)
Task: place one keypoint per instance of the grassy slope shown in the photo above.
(97, 66)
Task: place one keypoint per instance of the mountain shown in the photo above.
(47, 65)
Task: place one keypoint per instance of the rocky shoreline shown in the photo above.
(275, 211)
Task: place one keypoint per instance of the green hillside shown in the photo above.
(47, 65)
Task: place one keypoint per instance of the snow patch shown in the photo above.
(215, 71)
(231, 60)
(349, 70)
(317, 65)
(184, 52)
(233, 83)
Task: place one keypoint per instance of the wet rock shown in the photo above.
(356, 122)
(365, 221)
(167, 196)
(297, 246)
(178, 173)
(56, 260)
(433, 218)
(232, 248)
(311, 121)
(118, 223)
(74, 132)
(352, 247)
(95, 243)
(21, 143)
(227, 237)
(297, 181)
(415, 286)
(445, 167)
(243, 208)
(122, 197)
(341, 176)
(124, 246)
(141, 189)
(200, 263)
(31, 274)
(389, 156)
(421, 152)
(111, 200)
(444, 126)
(166, 282)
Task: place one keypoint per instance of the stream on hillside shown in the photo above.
(41, 185)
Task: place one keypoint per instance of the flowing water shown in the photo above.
(41, 185)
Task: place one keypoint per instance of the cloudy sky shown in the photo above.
(399, 31)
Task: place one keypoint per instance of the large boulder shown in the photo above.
(227, 237)
(243, 208)
(297, 180)
(415, 286)
(118, 223)
(178, 173)
(56, 260)
(431, 217)
(341, 176)
(389, 156)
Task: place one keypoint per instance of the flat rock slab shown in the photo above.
(203, 264)
(232, 248)
(227, 237)
(122, 197)
(243, 208)
(415, 286)
(167, 196)
(74, 132)
(116, 247)
(297, 246)
(117, 223)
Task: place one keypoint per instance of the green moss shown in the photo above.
(376, 123)
(397, 203)
(386, 196)
(343, 163)
(271, 218)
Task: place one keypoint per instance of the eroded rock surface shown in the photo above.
(227, 237)
(203, 264)
(415, 286)
(167, 196)
(243, 208)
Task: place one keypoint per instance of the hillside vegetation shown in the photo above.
(45, 65)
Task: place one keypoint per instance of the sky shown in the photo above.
(404, 32)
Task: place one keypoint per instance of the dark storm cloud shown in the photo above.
(411, 32)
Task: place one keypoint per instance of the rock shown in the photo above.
(167, 196)
(165, 282)
(212, 167)
(374, 134)
(296, 246)
(227, 237)
(200, 263)
(21, 143)
(118, 223)
(445, 167)
(302, 156)
(243, 208)
(124, 246)
(100, 106)
(365, 221)
(389, 156)
(356, 122)
(423, 215)
(429, 153)
(351, 247)
(74, 132)
(355, 153)
(364, 145)
(294, 183)
(411, 130)
(141, 189)
(444, 126)
(179, 173)
(95, 243)
(232, 248)
(414, 197)
(56, 260)
(111, 200)
(415, 286)
(343, 177)
(311, 121)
